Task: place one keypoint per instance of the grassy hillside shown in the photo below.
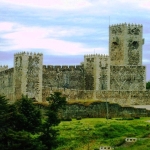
(91, 133)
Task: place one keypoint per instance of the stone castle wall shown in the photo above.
(97, 69)
(63, 77)
(123, 98)
(99, 77)
(99, 109)
(125, 49)
(6, 83)
(2, 68)
(125, 44)
(28, 75)
(127, 78)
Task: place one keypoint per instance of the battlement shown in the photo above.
(69, 68)
(2, 68)
(125, 24)
(28, 54)
(10, 70)
(96, 55)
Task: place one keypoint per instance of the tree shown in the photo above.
(49, 134)
(4, 115)
(25, 115)
(21, 126)
(20, 140)
(148, 85)
(18, 122)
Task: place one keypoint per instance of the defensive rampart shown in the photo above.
(63, 77)
(123, 98)
(6, 83)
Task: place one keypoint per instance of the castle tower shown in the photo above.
(97, 70)
(89, 73)
(125, 44)
(28, 75)
(125, 49)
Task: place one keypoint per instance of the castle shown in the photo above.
(121, 71)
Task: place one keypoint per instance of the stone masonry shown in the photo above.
(99, 76)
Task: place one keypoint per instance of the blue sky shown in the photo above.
(65, 30)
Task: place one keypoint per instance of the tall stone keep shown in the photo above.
(125, 44)
(125, 49)
(28, 75)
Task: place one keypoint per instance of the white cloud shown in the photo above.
(27, 38)
(6, 26)
(146, 61)
(52, 4)
(94, 7)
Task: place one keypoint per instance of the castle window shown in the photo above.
(115, 43)
(135, 45)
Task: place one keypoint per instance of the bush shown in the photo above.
(66, 119)
(127, 118)
(108, 118)
(137, 117)
(78, 118)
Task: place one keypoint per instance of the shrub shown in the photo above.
(66, 119)
(78, 118)
(137, 117)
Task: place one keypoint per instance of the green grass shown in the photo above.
(95, 132)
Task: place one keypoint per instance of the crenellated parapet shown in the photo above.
(2, 68)
(96, 55)
(126, 24)
(125, 29)
(7, 71)
(28, 54)
(62, 68)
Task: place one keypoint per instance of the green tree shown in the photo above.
(4, 115)
(21, 126)
(20, 140)
(18, 122)
(148, 85)
(49, 133)
(25, 115)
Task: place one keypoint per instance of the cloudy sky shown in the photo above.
(65, 30)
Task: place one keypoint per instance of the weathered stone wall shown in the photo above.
(123, 98)
(116, 45)
(19, 69)
(90, 68)
(2, 68)
(125, 49)
(127, 78)
(104, 73)
(99, 77)
(102, 109)
(63, 77)
(97, 70)
(134, 43)
(125, 44)
(28, 75)
(34, 76)
(6, 83)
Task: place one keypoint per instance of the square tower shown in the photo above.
(28, 75)
(125, 44)
(97, 70)
(125, 49)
